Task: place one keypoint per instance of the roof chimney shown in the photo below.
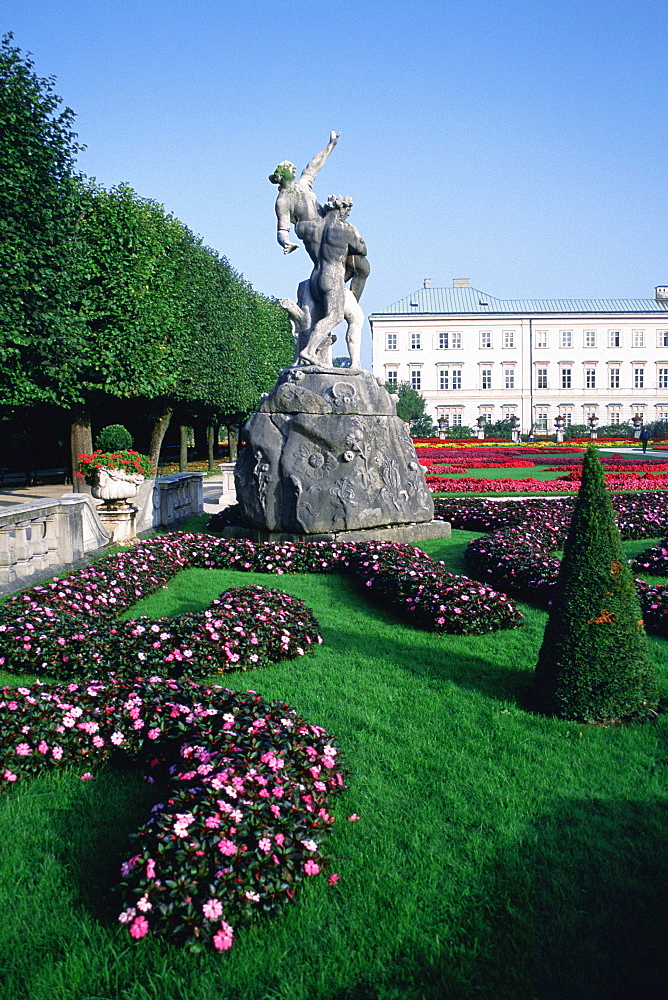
(427, 282)
(661, 293)
(461, 282)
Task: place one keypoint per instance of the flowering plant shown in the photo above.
(246, 804)
(129, 461)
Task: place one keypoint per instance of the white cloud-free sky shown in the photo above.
(517, 143)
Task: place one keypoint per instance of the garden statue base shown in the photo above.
(327, 454)
(408, 534)
(119, 521)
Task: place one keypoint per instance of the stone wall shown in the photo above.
(43, 538)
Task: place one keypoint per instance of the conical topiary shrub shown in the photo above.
(595, 663)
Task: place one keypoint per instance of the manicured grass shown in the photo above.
(498, 854)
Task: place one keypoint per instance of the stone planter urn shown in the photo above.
(114, 487)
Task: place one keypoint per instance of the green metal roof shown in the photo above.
(458, 301)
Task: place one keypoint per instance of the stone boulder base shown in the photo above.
(326, 454)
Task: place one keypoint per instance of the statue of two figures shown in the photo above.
(338, 254)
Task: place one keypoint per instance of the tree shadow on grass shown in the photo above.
(430, 656)
(575, 910)
(93, 833)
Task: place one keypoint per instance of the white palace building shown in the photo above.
(472, 355)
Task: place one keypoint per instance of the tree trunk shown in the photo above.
(232, 442)
(183, 448)
(81, 443)
(210, 443)
(158, 432)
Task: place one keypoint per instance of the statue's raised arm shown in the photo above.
(313, 166)
(296, 201)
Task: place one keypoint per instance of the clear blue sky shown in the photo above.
(519, 143)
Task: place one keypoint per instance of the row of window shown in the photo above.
(451, 378)
(451, 340)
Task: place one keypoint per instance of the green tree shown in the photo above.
(38, 214)
(594, 664)
(410, 404)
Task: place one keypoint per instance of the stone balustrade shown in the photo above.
(43, 538)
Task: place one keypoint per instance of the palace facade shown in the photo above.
(472, 355)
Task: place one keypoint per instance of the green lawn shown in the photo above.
(498, 854)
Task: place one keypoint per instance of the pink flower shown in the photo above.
(139, 928)
(279, 838)
(212, 909)
(265, 845)
(9, 775)
(333, 879)
(57, 753)
(310, 845)
(311, 868)
(87, 776)
(227, 847)
(223, 939)
(150, 868)
(117, 738)
(353, 818)
(23, 750)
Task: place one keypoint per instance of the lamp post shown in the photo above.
(442, 426)
(559, 423)
(481, 427)
(515, 425)
(637, 424)
(593, 424)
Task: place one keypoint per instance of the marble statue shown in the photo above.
(325, 296)
(325, 454)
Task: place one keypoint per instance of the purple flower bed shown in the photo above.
(516, 555)
(244, 628)
(69, 627)
(425, 593)
(246, 808)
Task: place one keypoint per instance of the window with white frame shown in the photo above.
(456, 378)
(662, 338)
(541, 338)
(541, 378)
(566, 338)
(392, 376)
(590, 378)
(391, 342)
(443, 340)
(638, 337)
(638, 378)
(508, 339)
(485, 339)
(568, 418)
(541, 420)
(456, 340)
(508, 378)
(456, 420)
(590, 338)
(416, 341)
(416, 378)
(614, 338)
(613, 378)
(443, 378)
(615, 417)
(487, 417)
(663, 378)
(485, 378)
(566, 378)
(662, 415)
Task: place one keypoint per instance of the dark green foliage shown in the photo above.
(594, 664)
(423, 427)
(114, 437)
(410, 404)
(500, 429)
(38, 213)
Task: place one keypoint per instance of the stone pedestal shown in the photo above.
(119, 522)
(325, 455)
